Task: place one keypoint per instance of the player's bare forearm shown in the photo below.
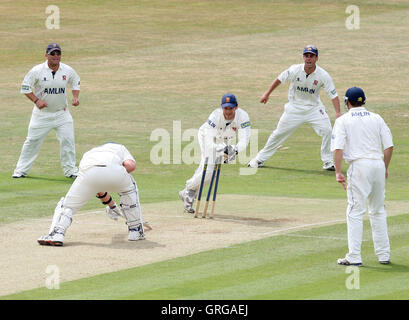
(75, 97)
(38, 102)
(387, 156)
(337, 106)
(338, 154)
(105, 198)
(129, 165)
(270, 89)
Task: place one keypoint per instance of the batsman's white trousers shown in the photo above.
(41, 124)
(290, 120)
(366, 182)
(89, 182)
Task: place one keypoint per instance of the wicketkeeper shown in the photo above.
(215, 136)
(102, 169)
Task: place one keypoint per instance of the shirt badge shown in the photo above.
(64, 77)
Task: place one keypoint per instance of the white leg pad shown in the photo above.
(131, 208)
(57, 214)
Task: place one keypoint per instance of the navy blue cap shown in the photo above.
(52, 47)
(355, 95)
(311, 49)
(229, 100)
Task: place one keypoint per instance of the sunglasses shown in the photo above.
(58, 53)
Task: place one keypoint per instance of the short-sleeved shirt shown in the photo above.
(220, 130)
(361, 134)
(108, 154)
(305, 88)
(49, 86)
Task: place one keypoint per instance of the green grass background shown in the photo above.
(144, 64)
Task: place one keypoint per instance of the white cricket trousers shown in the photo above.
(366, 182)
(41, 124)
(290, 120)
(89, 182)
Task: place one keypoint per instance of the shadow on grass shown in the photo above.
(392, 267)
(320, 172)
(62, 179)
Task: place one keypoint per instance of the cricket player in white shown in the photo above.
(364, 140)
(304, 106)
(216, 136)
(46, 86)
(102, 169)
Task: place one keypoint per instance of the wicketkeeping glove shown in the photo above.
(113, 212)
(230, 153)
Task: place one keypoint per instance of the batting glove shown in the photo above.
(113, 212)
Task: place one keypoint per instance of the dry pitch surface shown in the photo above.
(95, 244)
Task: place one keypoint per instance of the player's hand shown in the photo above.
(341, 179)
(264, 98)
(41, 104)
(338, 114)
(113, 212)
(75, 102)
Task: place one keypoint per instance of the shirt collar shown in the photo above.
(361, 108)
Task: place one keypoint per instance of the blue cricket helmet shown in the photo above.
(354, 95)
(311, 49)
(229, 100)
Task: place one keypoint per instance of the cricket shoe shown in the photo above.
(254, 163)
(345, 262)
(136, 234)
(329, 166)
(384, 262)
(187, 198)
(72, 174)
(18, 175)
(53, 239)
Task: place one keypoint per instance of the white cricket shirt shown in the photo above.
(361, 134)
(49, 87)
(218, 129)
(304, 89)
(108, 154)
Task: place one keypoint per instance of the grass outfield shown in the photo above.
(298, 265)
(145, 64)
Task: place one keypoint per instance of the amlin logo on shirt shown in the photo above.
(54, 90)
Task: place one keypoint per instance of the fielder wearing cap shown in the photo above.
(364, 140)
(304, 106)
(218, 135)
(102, 169)
(46, 86)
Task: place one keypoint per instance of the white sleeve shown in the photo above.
(287, 75)
(386, 135)
(127, 155)
(29, 82)
(213, 120)
(244, 133)
(338, 138)
(74, 80)
(208, 131)
(329, 86)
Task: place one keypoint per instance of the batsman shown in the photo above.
(216, 137)
(102, 169)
